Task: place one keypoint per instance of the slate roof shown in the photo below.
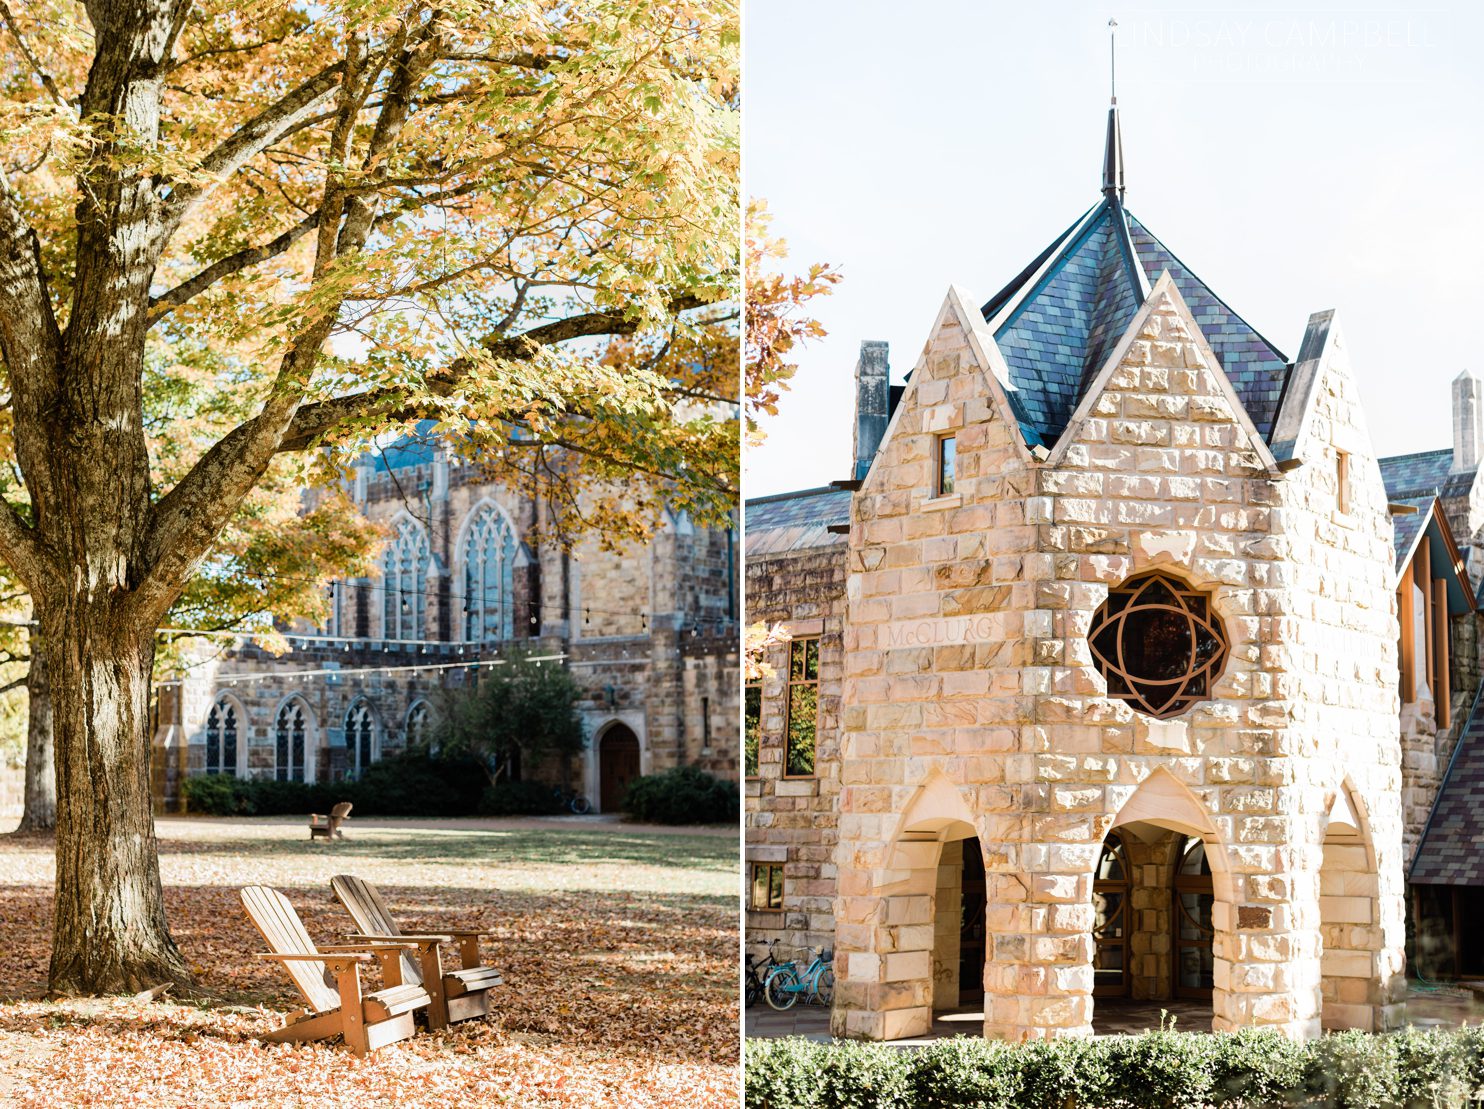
(1057, 322)
(1452, 849)
(795, 521)
(1423, 474)
(1405, 528)
(416, 448)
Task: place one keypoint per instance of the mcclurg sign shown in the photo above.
(940, 631)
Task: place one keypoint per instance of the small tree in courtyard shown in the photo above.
(521, 712)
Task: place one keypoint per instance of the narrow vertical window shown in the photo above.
(947, 451)
(1342, 481)
(360, 732)
(489, 584)
(221, 739)
(767, 887)
(803, 707)
(404, 571)
(289, 736)
(752, 716)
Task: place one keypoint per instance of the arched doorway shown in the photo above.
(1110, 929)
(618, 765)
(1194, 897)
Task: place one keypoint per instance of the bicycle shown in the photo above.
(755, 971)
(785, 985)
(572, 801)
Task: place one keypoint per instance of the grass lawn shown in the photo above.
(617, 944)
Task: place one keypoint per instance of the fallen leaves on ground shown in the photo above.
(612, 996)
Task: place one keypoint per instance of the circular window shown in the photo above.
(1157, 644)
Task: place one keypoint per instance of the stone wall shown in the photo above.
(793, 820)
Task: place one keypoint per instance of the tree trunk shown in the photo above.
(40, 814)
(109, 933)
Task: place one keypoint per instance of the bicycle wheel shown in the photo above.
(775, 991)
(824, 987)
(754, 988)
(581, 805)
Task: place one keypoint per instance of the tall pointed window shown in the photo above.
(419, 725)
(489, 575)
(221, 739)
(291, 732)
(360, 737)
(404, 582)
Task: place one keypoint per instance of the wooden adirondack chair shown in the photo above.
(329, 826)
(457, 994)
(330, 980)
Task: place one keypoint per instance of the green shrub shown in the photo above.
(1432, 1070)
(964, 1073)
(416, 784)
(1353, 1070)
(411, 784)
(683, 795)
(1251, 1069)
(212, 794)
(1159, 1070)
(1257, 1067)
(518, 799)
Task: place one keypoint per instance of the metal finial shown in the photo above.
(1113, 187)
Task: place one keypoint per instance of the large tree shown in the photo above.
(403, 210)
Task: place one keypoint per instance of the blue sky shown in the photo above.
(1295, 159)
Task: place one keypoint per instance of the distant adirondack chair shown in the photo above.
(457, 994)
(330, 980)
(329, 826)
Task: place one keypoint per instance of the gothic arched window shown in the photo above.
(360, 736)
(419, 725)
(291, 732)
(1157, 644)
(404, 582)
(221, 739)
(489, 577)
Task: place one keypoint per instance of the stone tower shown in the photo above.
(1139, 654)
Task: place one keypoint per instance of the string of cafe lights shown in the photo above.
(383, 671)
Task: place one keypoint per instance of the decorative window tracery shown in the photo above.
(489, 577)
(419, 725)
(360, 736)
(291, 734)
(221, 739)
(404, 582)
(1157, 644)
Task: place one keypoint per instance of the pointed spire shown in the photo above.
(1113, 186)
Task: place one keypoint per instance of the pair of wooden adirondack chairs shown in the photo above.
(329, 978)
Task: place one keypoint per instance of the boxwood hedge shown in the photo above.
(1251, 1069)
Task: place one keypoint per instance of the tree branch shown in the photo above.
(253, 137)
(160, 306)
(25, 51)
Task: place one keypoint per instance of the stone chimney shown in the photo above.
(872, 401)
(1468, 421)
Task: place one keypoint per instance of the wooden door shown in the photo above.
(618, 765)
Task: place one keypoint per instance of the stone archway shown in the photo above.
(1178, 916)
(1349, 921)
(618, 765)
(893, 945)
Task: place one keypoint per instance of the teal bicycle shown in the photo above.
(816, 985)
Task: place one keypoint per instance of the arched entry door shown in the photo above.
(1110, 930)
(1193, 926)
(618, 765)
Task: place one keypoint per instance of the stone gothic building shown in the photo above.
(649, 632)
(1120, 666)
